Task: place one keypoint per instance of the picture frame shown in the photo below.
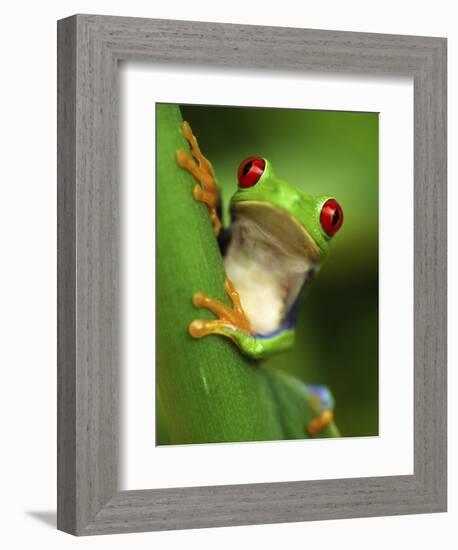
(89, 50)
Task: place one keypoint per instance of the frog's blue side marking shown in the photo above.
(323, 394)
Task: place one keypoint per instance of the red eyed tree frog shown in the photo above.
(278, 238)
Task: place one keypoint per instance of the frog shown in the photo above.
(274, 246)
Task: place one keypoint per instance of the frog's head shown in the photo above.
(303, 223)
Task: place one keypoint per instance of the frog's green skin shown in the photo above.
(293, 217)
(257, 347)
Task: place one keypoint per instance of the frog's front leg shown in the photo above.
(232, 322)
(200, 167)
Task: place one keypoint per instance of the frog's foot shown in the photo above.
(200, 167)
(230, 322)
(320, 422)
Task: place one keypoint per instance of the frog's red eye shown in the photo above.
(331, 217)
(250, 171)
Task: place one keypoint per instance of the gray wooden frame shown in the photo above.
(89, 48)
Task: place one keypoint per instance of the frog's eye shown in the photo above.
(331, 217)
(250, 171)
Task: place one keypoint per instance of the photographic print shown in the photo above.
(216, 312)
(266, 274)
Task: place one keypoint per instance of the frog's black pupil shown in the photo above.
(335, 217)
(247, 168)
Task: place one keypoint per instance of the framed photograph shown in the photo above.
(251, 274)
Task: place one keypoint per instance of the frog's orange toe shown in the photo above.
(197, 329)
(200, 328)
(199, 299)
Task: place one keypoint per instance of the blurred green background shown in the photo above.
(320, 152)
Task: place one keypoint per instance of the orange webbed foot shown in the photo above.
(229, 319)
(200, 167)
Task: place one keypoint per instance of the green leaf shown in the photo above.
(208, 391)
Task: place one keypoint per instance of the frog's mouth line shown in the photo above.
(281, 225)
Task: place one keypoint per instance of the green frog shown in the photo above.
(276, 242)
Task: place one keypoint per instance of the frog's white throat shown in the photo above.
(267, 273)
